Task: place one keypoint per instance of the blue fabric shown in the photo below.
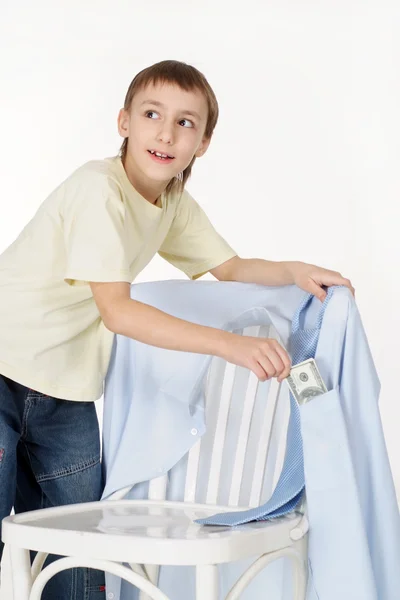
(290, 487)
(156, 394)
(154, 404)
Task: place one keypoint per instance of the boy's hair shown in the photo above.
(187, 78)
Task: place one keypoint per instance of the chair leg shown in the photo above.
(207, 587)
(6, 586)
(300, 569)
(21, 573)
(152, 573)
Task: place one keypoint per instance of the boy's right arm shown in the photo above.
(123, 315)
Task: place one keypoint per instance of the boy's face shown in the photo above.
(169, 120)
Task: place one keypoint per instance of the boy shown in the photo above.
(65, 291)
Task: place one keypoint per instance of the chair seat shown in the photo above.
(145, 531)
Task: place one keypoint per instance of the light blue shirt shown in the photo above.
(154, 413)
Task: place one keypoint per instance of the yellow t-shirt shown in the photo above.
(94, 227)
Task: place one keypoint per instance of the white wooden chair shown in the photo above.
(153, 532)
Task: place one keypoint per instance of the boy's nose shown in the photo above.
(166, 136)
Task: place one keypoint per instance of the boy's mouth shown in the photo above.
(160, 155)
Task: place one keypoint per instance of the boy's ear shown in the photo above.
(123, 123)
(203, 147)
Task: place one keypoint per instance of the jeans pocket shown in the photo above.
(81, 483)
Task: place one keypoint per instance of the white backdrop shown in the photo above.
(304, 161)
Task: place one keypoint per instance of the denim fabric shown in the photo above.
(50, 456)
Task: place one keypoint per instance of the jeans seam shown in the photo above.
(42, 498)
(36, 395)
(69, 470)
(42, 495)
(86, 584)
(73, 584)
(27, 408)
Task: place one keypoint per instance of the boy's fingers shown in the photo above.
(267, 365)
(284, 356)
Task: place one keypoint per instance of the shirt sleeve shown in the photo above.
(95, 236)
(192, 244)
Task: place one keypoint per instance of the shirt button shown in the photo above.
(194, 431)
(110, 596)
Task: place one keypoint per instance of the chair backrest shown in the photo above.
(239, 459)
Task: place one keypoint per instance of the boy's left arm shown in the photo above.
(265, 272)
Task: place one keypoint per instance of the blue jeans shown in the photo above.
(50, 456)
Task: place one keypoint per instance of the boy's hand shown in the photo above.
(264, 356)
(311, 278)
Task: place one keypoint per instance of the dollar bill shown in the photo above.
(305, 381)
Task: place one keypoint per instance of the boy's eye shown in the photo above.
(153, 112)
(187, 120)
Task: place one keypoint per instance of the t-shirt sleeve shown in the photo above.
(95, 235)
(192, 244)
